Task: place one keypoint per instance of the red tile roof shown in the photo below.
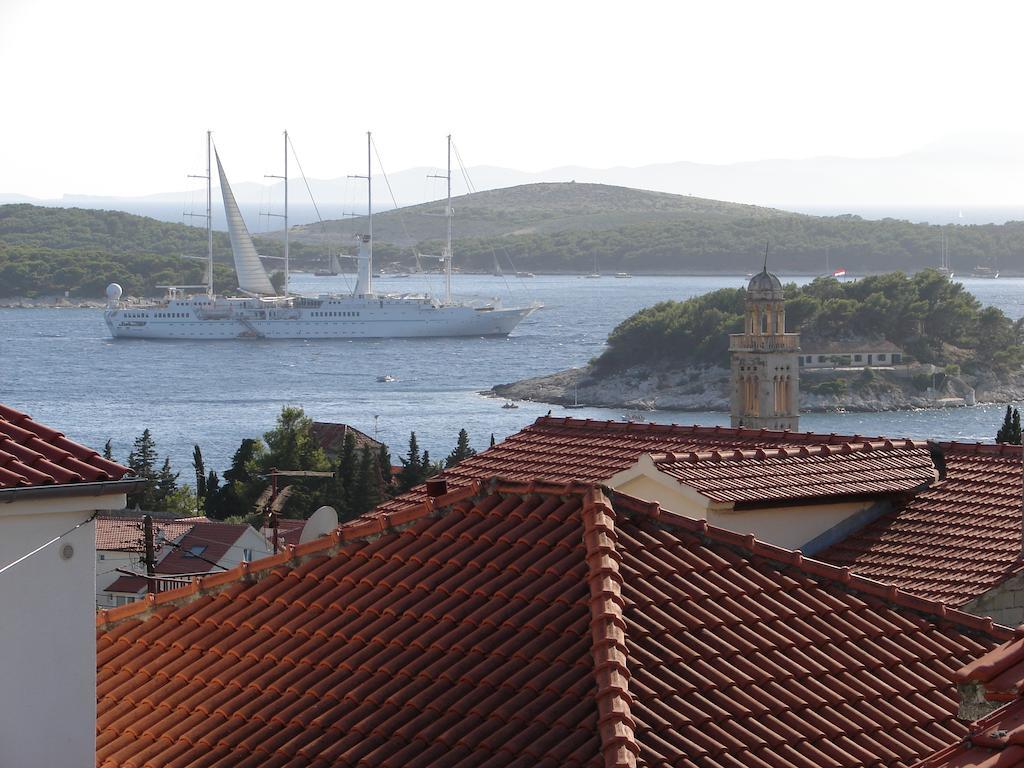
(808, 472)
(32, 454)
(566, 449)
(124, 534)
(955, 540)
(951, 542)
(215, 538)
(531, 624)
(995, 741)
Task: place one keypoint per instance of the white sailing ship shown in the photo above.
(263, 314)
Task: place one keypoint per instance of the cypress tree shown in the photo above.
(366, 491)
(197, 465)
(108, 451)
(214, 497)
(1010, 431)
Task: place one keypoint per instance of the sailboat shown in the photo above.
(331, 271)
(263, 313)
(595, 274)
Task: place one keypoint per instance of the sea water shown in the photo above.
(62, 367)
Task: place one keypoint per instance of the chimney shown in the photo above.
(436, 486)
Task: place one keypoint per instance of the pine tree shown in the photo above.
(108, 451)
(412, 467)
(428, 468)
(1015, 436)
(166, 485)
(492, 440)
(461, 451)
(197, 465)
(142, 461)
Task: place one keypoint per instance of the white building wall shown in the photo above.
(48, 633)
(107, 563)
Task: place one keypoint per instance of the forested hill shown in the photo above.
(933, 319)
(562, 227)
(47, 251)
(565, 226)
(542, 209)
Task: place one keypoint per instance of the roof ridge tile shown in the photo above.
(607, 624)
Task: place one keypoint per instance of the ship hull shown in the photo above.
(345, 318)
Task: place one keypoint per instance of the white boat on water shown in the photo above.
(264, 314)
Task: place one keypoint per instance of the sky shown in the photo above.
(114, 97)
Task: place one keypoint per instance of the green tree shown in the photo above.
(461, 451)
(492, 440)
(292, 446)
(366, 491)
(412, 467)
(241, 483)
(200, 469)
(166, 485)
(142, 461)
(1009, 432)
(212, 500)
(108, 451)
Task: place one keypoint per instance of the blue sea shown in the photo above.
(62, 367)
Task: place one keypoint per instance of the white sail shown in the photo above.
(252, 277)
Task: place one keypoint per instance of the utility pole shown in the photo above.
(147, 532)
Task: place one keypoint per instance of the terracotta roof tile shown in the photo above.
(124, 534)
(32, 454)
(547, 649)
(953, 541)
(757, 475)
(565, 449)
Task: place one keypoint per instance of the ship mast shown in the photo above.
(447, 255)
(287, 277)
(209, 215)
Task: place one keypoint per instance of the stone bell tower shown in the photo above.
(765, 370)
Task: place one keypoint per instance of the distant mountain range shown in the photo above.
(939, 185)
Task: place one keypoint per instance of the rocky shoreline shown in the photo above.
(708, 389)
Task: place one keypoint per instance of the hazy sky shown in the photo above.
(114, 97)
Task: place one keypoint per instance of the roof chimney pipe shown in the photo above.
(436, 486)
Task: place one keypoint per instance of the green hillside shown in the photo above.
(47, 251)
(536, 227)
(565, 227)
(540, 209)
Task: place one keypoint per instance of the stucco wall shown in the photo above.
(791, 527)
(47, 640)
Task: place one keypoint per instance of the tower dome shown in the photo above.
(764, 286)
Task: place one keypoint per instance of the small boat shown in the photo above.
(623, 275)
(332, 271)
(524, 274)
(509, 404)
(575, 398)
(386, 378)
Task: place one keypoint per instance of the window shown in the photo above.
(857, 358)
(101, 556)
(881, 357)
(195, 551)
(821, 358)
(247, 554)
